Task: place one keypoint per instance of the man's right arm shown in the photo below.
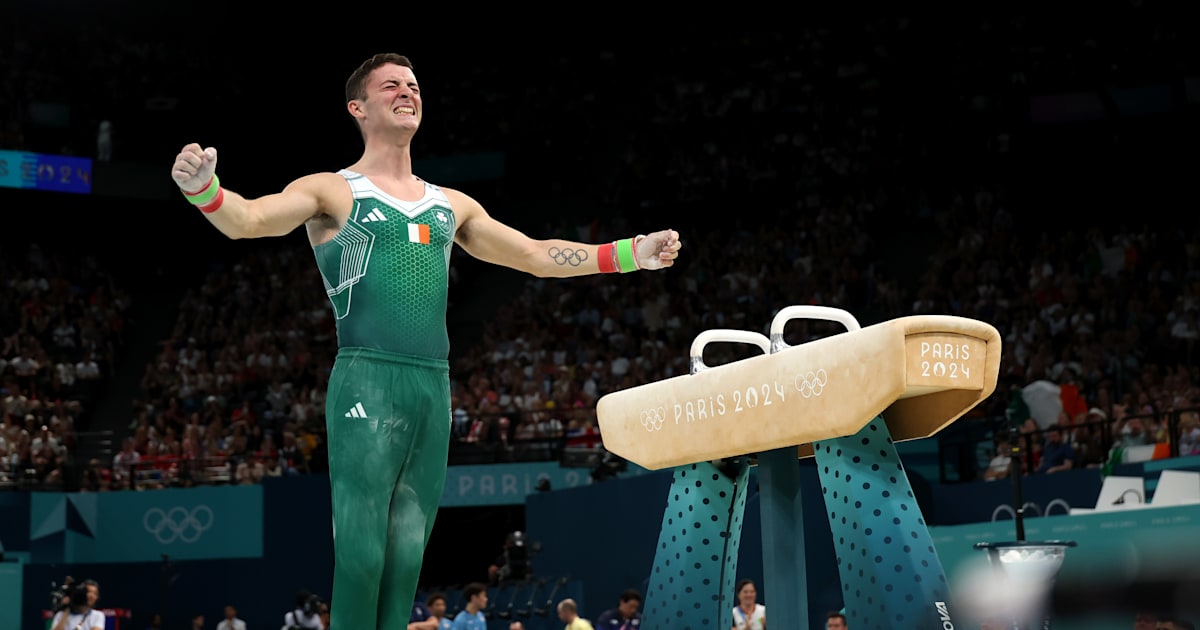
(237, 217)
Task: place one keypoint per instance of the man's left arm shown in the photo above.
(487, 239)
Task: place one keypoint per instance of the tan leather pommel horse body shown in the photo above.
(920, 372)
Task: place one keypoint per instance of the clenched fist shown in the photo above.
(658, 250)
(194, 167)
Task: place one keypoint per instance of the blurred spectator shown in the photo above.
(104, 141)
(1057, 453)
(124, 461)
(1001, 463)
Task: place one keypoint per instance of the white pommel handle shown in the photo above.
(807, 311)
(727, 335)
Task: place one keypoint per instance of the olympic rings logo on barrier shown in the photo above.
(178, 523)
(1005, 508)
(653, 419)
(573, 257)
(812, 383)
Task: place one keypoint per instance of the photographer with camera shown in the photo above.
(306, 615)
(515, 562)
(77, 611)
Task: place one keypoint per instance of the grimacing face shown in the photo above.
(393, 99)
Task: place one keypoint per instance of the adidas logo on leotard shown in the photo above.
(357, 411)
(374, 215)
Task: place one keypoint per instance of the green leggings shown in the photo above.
(388, 421)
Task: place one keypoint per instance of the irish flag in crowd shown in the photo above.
(418, 233)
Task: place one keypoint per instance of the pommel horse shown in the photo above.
(843, 400)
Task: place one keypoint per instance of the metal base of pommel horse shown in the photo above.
(843, 400)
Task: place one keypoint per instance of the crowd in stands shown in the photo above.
(790, 162)
(240, 384)
(62, 328)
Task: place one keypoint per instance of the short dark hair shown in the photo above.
(835, 614)
(473, 589)
(631, 594)
(433, 597)
(356, 85)
(742, 584)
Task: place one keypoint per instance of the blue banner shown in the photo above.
(11, 585)
(38, 171)
(14, 524)
(509, 484)
(185, 524)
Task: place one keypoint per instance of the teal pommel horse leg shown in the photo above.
(844, 400)
(695, 561)
(889, 568)
(890, 571)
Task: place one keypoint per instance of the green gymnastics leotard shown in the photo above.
(388, 405)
